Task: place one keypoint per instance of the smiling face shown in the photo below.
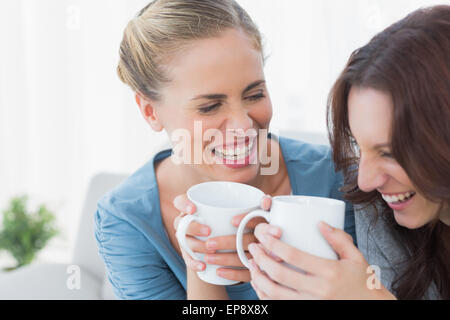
(218, 83)
(370, 117)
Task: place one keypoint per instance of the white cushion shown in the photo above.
(107, 289)
(47, 282)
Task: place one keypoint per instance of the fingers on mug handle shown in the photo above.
(193, 264)
(183, 204)
(240, 234)
(255, 221)
(266, 202)
(194, 228)
(181, 234)
(198, 230)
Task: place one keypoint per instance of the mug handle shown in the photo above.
(181, 234)
(240, 233)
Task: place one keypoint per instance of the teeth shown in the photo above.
(231, 153)
(398, 197)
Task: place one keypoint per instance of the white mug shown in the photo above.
(298, 218)
(217, 203)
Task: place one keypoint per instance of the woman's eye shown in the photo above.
(256, 97)
(386, 155)
(205, 110)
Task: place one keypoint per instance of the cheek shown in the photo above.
(395, 171)
(262, 113)
(171, 123)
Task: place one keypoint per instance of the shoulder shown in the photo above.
(135, 200)
(296, 150)
(370, 221)
(134, 193)
(311, 168)
(379, 242)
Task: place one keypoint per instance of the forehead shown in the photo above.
(215, 64)
(370, 115)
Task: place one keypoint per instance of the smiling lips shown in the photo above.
(237, 153)
(236, 156)
(234, 152)
(398, 198)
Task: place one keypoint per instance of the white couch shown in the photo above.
(50, 281)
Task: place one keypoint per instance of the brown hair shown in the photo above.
(164, 27)
(410, 60)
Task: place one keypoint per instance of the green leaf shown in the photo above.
(24, 233)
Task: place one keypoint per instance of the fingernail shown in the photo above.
(327, 227)
(221, 272)
(204, 231)
(266, 200)
(199, 266)
(210, 258)
(211, 244)
(274, 231)
(252, 248)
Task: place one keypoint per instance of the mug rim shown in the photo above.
(200, 185)
(323, 200)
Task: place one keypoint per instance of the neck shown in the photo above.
(273, 183)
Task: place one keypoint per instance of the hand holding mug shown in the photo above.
(320, 260)
(348, 277)
(217, 253)
(194, 230)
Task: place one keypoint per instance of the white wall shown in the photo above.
(64, 115)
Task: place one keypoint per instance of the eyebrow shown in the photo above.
(253, 85)
(217, 96)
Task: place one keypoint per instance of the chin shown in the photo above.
(409, 221)
(244, 175)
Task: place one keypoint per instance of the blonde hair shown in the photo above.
(164, 26)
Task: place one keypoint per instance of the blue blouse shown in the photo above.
(140, 259)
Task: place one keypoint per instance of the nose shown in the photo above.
(371, 175)
(239, 119)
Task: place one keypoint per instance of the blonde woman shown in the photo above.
(191, 63)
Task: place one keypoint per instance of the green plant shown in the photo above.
(24, 233)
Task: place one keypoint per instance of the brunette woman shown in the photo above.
(389, 126)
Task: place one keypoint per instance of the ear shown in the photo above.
(148, 111)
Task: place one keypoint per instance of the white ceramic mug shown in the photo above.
(217, 203)
(298, 218)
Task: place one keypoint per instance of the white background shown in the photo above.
(65, 116)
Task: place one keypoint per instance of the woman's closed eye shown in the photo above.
(214, 107)
(385, 154)
(209, 109)
(256, 97)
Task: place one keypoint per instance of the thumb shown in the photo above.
(266, 202)
(183, 204)
(341, 242)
